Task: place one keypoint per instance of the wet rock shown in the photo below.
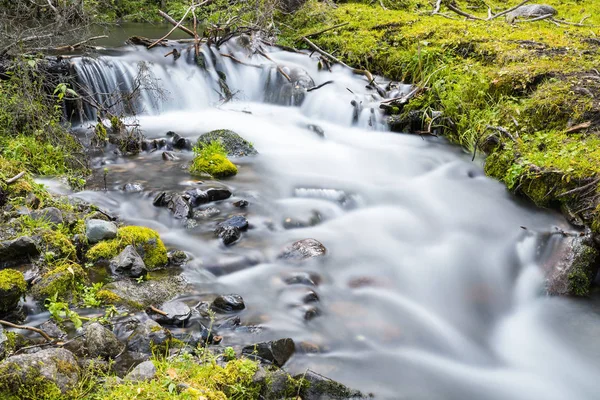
(240, 204)
(228, 303)
(51, 215)
(206, 213)
(162, 199)
(198, 335)
(531, 11)
(310, 312)
(237, 221)
(12, 287)
(128, 263)
(575, 269)
(294, 223)
(133, 187)
(234, 144)
(53, 330)
(179, 207)
(97, 230)
(228, 234)
(169, 156)
(140, 295)
(177, 313)
(198, 197)
(145, 371)
(316, 129)
(180, 143)
(145, 336)
(302, 278)
(303, 249)
(101, 342)
(177, 257)
(230, 265)
(14, 251)
(274, 384)
(57, 366)
(320, 388)
(277, 352)
(279, 90)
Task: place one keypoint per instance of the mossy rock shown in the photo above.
(12, 288)
(58, 246)
(145, 240)
(233, 144)
(62, 282)
(217, 166)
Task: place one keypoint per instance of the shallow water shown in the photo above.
(431, 288)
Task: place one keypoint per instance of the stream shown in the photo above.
(430, 289)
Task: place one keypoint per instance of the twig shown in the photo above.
(501, 130)
(541, 17)
(508, 11)
(15, 178)
(319, 86)
(156, 310)
(240, 61)
(29, 328)
(562, 21)
(326, 30)
(176, 25)
(279, 69)
(436, 8)
(579, 127)
(461, 12)
(580, 188)
(77, 45)
(382, 5)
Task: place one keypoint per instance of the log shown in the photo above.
(174, 23)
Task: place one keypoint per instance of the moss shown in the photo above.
(582, 274)
(59, 244)
(63, 281)
(12, 288)
(33, 386)
(109, 297)
(146, 241)
(212, 159)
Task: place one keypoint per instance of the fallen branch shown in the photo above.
(156, 310)
(502, 130)
(240, 61)
(562, 21)
(279, 69)
(319, 86)
(580, 188)
(173, 22)
(579, 127)
(508, 11)
(436, 7)
(541, 17)
(175, 26)
(176, 54)
(79, 44)
(15, 178)
(326, 30)
(461, 12)
(29, 328)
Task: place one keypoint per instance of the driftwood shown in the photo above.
(29, 328)
(173, 22)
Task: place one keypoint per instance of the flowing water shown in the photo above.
(431, 288)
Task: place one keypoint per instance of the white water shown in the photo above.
(453, 305)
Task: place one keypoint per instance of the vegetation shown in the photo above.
(537, 81)
(212, 159)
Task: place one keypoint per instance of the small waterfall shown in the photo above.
(146, 82)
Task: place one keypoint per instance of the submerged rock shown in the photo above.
(133, 187)
(303, 249)
(234, 144)
(180, 143)
(128, 263)
(573, 273)
(97, 230)
(33, 371)
(228, 303)
(277, 352)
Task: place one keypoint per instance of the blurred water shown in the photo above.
(431, 289)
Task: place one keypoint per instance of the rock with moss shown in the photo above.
(136, 295)
(12, 288)
(233, 144)
(62, 282)
(57, 246)
(212, 160)
(146, 241)
(314, 386)
(574, 271)
(101, 342)
(48, 374)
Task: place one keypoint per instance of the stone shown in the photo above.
(20, 249)
(241, 204)
(293, 223)
(303, 250)
(228, 303)
(323, 388)
(237, 221)
(155, 291)
(228, 234)
(128, 263)
(316, 129)
(51, 215)
(169, 156)
(198, 197)
(145, 336)
(177, 257)
(234, 144)
(162, 199)
(531, 11)
(279, 90)
(53, 330)
(101, 342)
(145, 371)
(12, 287)
(206, 213)
(55, 365)
(179, 207)
(277, 352)
(97, 230)
(573, 269)
(180, 143)
(302, 278)
(177, 313)
(133, 187)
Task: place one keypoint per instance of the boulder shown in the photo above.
(319, 387)
(228, 303)
(12, 287)
(140, 295)
(145, 336)
(144, 371)
(234, 144)
(51, 215)
(97, 230)
(303, 249)
(17, 250)
(55, 366)
(179, 207)
(531, 11)
(180, 143)
(277, 352)
(128, 263)
(162, 199)
(230, 230)
(198, 197)
(101, 342)
(133, 187)
(177, 313)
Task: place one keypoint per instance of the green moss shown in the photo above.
(59, 244)
(12, 288)
(212, 159)
(109, 297)
(63, 281)
(146, 241)
(582, 274)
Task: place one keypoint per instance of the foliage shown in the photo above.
(60, 311)
(212, 159)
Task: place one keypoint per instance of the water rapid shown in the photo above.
(431, 288)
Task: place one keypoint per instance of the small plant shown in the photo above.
(229, 354)
(60, 311)
(88, 295)
(212, 160)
